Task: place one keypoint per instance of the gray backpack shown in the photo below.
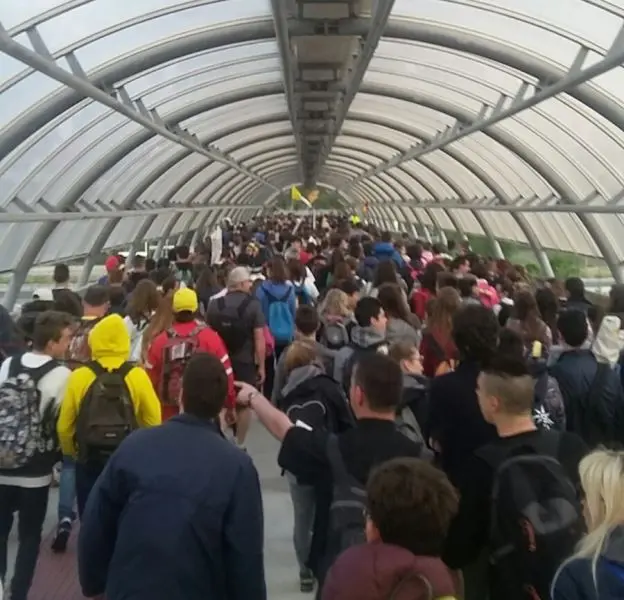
(24, 431)
(347, 522)
(408, 425)
(106, 416)
(334, 335)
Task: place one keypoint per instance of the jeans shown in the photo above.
(67, 490)
(304, 506)
(31, 505)
(87, 474)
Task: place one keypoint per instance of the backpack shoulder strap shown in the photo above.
(221, 303)
(334, 456)
(243, 305)
(96, 367)
(40, 372)
(125, 369)
(15, 366)
(269, 295)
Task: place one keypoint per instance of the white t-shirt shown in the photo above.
(136, 337)
(52, 387)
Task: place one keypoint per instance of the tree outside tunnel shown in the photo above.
(564, 264)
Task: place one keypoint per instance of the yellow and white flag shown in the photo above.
(296, 195)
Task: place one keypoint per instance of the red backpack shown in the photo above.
(177, 352)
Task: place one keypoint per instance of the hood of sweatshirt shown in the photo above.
(110, 339)
(398, 329)
(385, 249)
(300, 375)
(370, 261)
(414, 382)
(364, 337)
(607, 344)
(376, 570)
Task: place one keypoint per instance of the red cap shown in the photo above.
(112, 263)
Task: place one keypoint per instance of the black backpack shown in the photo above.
(106, 415)
(536, 517)
(231, 324)
(592, 420)
(347, 521)
(307, 403)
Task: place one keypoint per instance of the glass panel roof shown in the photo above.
(443, 65)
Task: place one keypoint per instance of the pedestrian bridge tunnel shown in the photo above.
(127, 122)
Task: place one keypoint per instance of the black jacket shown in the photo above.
(455, 419)
(575, 372)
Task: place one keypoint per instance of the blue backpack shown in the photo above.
(281, 320)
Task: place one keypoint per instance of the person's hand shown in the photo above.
(245, 393)
(261, 375)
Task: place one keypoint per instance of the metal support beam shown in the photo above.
(46, 65)
(280, 18)
(381, 10)
(575, 77)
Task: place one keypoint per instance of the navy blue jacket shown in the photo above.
(576, 582)
(575, 372)
(177, 513)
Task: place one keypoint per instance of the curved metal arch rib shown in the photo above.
(440, 36)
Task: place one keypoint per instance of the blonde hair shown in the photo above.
(299, 354)
(602, 479)
(336, 304)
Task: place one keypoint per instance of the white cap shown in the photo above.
(43, 294)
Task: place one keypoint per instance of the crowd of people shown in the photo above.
(449, 428)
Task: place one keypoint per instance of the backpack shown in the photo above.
(408, 425)
(281, 320)
(334, 335)
(348, 507)
(177, 352)
(79, 352)
(593, 421)
(106, 416)
(306, 403)
(356, 355)
(536, 517)
(231, 325)
(24, 431)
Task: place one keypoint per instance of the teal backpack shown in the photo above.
(281, 320)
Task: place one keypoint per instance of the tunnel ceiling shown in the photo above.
(126, 121)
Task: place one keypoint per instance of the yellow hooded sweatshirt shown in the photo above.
(110, 346)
